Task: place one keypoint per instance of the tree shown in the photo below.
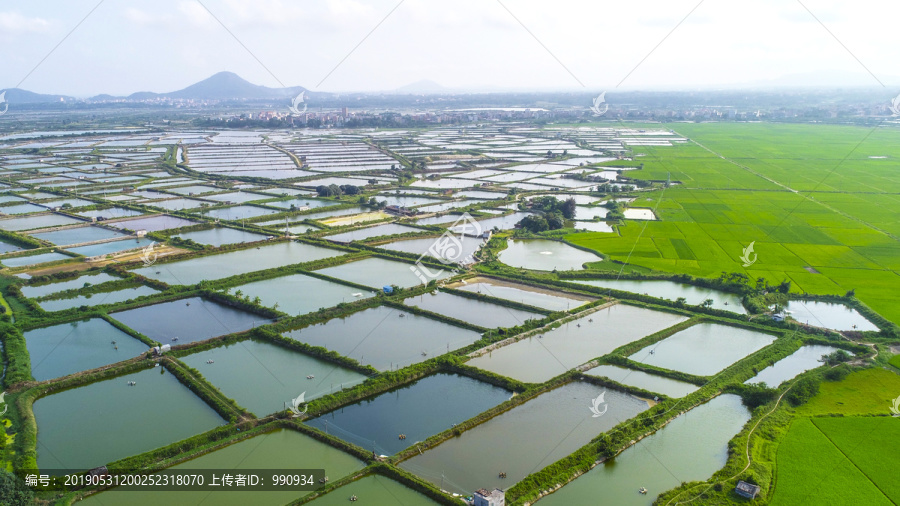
(335, 190)
(708, 303)
(323, 191)
(838, 357)
(567, 208)
(680, 301)
(805, 389)
(534, 223)
(13, 490)
(349, 189)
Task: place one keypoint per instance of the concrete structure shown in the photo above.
(747, 490)
(482, 497)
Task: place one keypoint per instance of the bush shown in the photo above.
(838, 357)
(804, 390)
(13, 491)
(837, 373)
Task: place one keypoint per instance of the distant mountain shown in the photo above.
(19, 96)
(423, 87)
(228, 85)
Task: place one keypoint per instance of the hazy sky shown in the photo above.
(160, 45)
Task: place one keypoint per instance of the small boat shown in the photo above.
(402, 315)
(643, 490)
(187, 303)
(353, 498)
(357, 294)
(175, 338)
(311, 376)
(210, 361)
(424, 353)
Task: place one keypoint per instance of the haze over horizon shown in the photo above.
(347, 45)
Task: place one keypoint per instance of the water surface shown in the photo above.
(418, 410)
(651, 382)
(524, 440)
(545, 255)
(192, 319)
(689, 448)
(378, 273)
(299, 294)
(670, 290)
(67, 348)
(262, 377)
(526, 294)
(804, 359)
(99, 423)
(829, 315)
(382, 338)
(477, 312)
(704, 349)
(539, 358)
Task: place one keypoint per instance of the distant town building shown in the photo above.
(747, 490)
(482, 497)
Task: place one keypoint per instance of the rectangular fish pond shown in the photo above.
(67, 348)
(188, 320)
(89, 426)
(294, 293)
(279, 449)
(418, 411)
(384, 337)
(532, 436)
(540, 357)
(477, 312)
(262, 376)
(691, 447)
(232, 263)
(703, 349)
(533, 296)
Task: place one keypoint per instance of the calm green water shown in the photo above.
(34, 259)
(382, 338)
(78, 346)
(537, 359)
(41, 290)
(640, 379)
(221, 235)
(97, 298)
(420, 410)
(704, 349)
(6, 247)
(93, 425)
(376, 231)
(192, 271)
(377, 273)
(374, 490)
(192, 319)
(829, 315)
(537, 297)
(236, 212)
(262, 376)
(545, 255)
(32, 222)
(523, 440)
(804, 359)
(462, 250)
(288, 292)
(690, 448)
(78, 235)
(484, 314)
(672, 291)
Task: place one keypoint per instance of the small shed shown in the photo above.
(747, 490)
(388, 289)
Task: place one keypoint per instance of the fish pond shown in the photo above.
(384, 337)
(670, 290)
(373, 490)
(545, 255)
(418, 411)
(158, 409)
(650, 382)
(526, 294)
(377, 273)
(188, 320)
(64, 349)
(541, 357)
(221, 235)
(95, 299)
(476, 312)
(531, 436)
(703, 349)
(806, 358)
(690, 448)
(828, 315)
(279, 449)
(286, 292)
(262, 376)
(223, 265)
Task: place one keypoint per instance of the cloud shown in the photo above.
(13, 22)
